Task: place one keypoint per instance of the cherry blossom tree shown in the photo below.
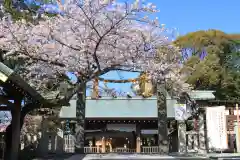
(90, 39)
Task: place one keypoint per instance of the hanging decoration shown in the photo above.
(141, 86)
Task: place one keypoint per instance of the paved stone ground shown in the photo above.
(122, 156)
(112, 156)
(139, 157)
(224, 156)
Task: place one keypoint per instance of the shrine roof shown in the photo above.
(123, 107)
(202, 95)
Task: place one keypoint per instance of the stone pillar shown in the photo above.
(190, 142)
(202, 133)
(163, 140)
(182, 148)
(103, 145)
(195, 147)
(80, 117)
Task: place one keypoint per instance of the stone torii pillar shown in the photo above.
(80, 125)
(163, 140)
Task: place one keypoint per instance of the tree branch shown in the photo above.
(32, 57)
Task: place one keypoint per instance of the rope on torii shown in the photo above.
(144, 82)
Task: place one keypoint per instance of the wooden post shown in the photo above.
(138, 145)
(95, 93)
(103, 145)
(16, 113)
(138, 139)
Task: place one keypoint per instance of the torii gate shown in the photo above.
(16, 89)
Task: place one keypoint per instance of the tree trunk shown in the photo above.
(163, 140)
(80, 125)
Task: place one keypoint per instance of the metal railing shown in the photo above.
(150, 149)
(115, 150)
(145, 150)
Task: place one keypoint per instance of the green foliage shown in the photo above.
(219, 69)
(16, 15)
(205, 73)
(25, 14)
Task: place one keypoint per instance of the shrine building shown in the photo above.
(123, 124)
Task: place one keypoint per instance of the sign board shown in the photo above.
(216, 128)
(149, 131)
(180, 111)
(122, 127)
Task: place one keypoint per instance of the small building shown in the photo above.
(121, 124)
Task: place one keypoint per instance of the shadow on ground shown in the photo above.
(33, 155)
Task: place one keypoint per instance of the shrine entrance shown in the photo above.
(119, 136)
(114, 141)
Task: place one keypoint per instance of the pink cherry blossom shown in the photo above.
(91, 39)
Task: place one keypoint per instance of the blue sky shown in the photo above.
(192, 15)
